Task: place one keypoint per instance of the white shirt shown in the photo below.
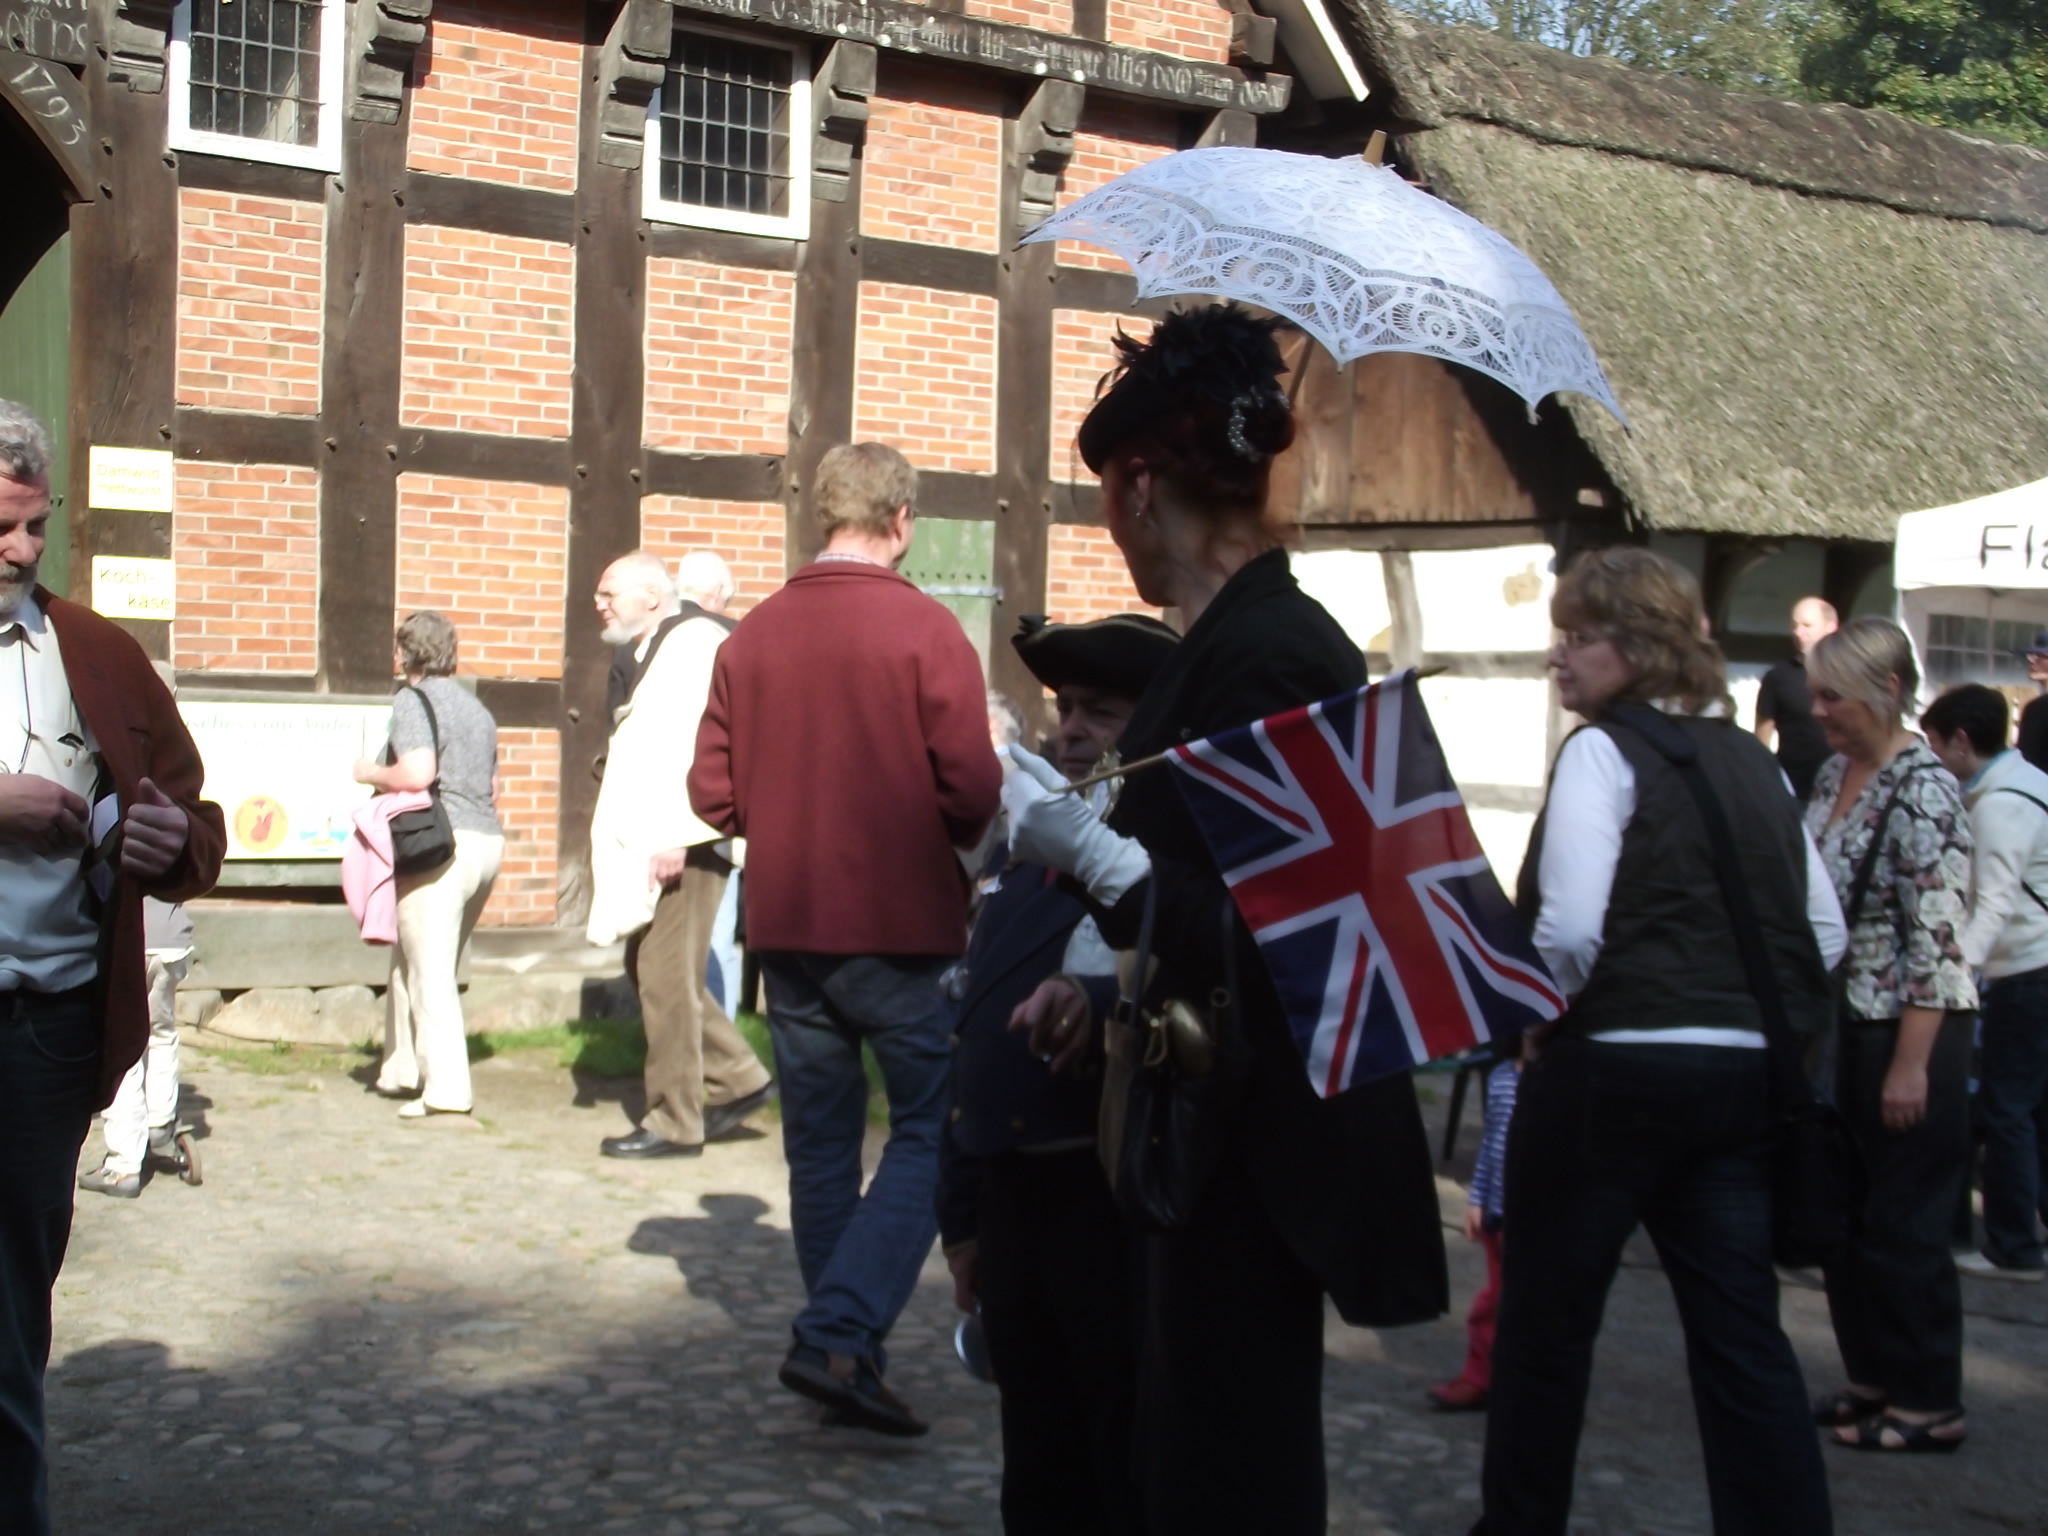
(1592, 798)
(47, 933)
(2008, 930)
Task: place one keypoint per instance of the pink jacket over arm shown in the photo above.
(368, 882)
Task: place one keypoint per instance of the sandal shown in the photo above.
(1844, 1409)
(1885, 1432)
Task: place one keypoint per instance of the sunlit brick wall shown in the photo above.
(933, 158)
(1086, 577)
(1046, 15)
(747, 535)
(490, 555)
(1191, 29)
(925, 375)
(249, 309)
(718, 348)
(487, 332)
(246, 540)
(1113, 137)
(495, 93)
(529, 806)
(1082, 352)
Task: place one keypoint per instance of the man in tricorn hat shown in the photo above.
(1030, 1229)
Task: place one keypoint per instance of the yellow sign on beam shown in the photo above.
(130, 480)
(127, 587)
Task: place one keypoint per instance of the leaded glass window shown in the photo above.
(1961, 649)
(725, 125)
(255, 69)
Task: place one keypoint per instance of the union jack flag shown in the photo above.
(1347, 848)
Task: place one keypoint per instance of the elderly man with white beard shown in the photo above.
(658, 874)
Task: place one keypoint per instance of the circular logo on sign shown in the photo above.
(259, 824)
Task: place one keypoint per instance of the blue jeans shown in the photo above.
(860, 1253)
(2012, 1106)
(1676, 1138)
(49, 1081)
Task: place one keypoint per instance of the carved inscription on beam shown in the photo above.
(1043, 144)
(46, 29)
(634, 59)
(916, 29)
(839, 110)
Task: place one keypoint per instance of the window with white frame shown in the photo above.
(258, 79)
(729, 136)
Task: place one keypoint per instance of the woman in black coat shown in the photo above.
(1311, 1195)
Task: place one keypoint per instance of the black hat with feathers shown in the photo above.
(1219, 353)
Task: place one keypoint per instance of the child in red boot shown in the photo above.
(1466, 1393)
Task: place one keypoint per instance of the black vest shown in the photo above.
(1668, 956)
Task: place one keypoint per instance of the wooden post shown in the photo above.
(605, 452)
(1404, 647)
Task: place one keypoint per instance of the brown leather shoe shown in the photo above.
(850, 1387)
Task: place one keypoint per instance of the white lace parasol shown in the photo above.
(1348, 251)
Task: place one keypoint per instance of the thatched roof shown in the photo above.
(1817, 318)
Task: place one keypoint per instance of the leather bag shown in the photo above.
(1175, 1078)
(423, 840)
(1818, 1177)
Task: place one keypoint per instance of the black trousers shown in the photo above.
(49, 1071)
(1675, 1138)
(1896, 1302)
(1230, 1376)
(1056, 1283)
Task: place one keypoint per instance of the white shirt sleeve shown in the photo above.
(1823, 907)
(1592, 797)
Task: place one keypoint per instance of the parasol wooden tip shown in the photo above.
(1376, 147)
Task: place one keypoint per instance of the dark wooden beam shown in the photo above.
(1424, 536)
(714, 476)
(1110, 293)
(485, 456)
(1078, 504)
(364, 328)
(124, 341)
(903, 27)
(252, 178)
(679, 242)
(245, 437)
(522, 703)
(827, 319)
(928, 266)
(1023, 479)
(457, 202)
(953, 493)
(605, 451)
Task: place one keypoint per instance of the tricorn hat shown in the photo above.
(2039, 647)
(1121, 653)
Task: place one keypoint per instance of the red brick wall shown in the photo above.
(1086, 577)
(495, 94)
(1082, 352)
(933, 159)
(1113, 137)
(529, 805)
(926, 374)
(718, 345)
(487, 332)
(249, 273)
(490, 555)
(747, 535)
(1192, 29)
(1046, 15)
(247, 545)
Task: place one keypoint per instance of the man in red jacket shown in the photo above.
(847, 741)
(99, 805)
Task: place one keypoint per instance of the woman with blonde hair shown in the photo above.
(1892, 831)
(1651, 1102)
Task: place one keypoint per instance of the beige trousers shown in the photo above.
(424, 1043)
(693, 1049)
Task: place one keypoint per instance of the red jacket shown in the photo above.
(847, 741)
(141, 735)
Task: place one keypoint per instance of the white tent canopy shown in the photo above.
(1972, 581)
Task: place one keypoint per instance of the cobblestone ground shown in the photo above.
(358, 1325)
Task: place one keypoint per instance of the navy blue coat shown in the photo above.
(1003, 1097)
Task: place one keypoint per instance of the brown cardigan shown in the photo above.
(140, 734)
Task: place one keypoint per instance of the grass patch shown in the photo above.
(281, 1058)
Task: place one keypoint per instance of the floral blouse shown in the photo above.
(1906, 949)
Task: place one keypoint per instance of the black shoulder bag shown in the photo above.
(422, 840)
(1819, 1185)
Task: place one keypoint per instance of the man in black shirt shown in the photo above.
(1783, 705)
(2033, 742)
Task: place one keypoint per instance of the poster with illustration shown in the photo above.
(284, 773)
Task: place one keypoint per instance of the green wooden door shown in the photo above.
(35, 369)
(954, 561)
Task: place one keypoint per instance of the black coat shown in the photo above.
(1347, 1180)
(1003, 1098)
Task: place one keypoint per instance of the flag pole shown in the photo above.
(1136, 765)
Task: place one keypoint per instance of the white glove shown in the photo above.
(1064, 831)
